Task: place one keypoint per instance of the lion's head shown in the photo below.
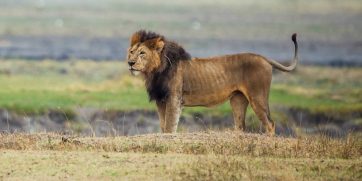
(144, 52)
(157, 58)
(150, 52)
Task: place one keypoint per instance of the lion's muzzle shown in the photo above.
(131, 63)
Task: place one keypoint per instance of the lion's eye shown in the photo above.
(131, 52)
(142, 53)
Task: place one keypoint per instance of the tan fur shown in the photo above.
(244, 79)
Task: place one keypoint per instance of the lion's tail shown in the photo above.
(295, 59)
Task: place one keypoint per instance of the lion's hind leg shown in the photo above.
(239, 103)
(261, 109)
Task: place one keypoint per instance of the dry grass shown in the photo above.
(60, 165)
(184, 156)
(219, 143)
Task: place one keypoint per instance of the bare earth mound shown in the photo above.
(190, 156)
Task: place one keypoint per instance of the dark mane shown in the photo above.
(142, 36)
(171, 55)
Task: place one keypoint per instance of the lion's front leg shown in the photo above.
(161, 110)
(172, 114)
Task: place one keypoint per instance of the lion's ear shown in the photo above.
(135, 39)
(159, 45)
(155, 44)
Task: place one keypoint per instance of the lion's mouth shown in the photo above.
(134, 71)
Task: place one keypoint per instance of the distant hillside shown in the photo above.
(329, 31)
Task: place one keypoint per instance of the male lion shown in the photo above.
(173, 79)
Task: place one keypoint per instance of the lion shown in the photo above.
(173, 79)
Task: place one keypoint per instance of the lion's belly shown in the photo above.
(208, 99)
(209, 82)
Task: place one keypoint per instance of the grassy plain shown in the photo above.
(190, 156)
(31, 87)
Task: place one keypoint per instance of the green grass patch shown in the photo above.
(35, 87)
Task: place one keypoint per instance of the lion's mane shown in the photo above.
(157, 81)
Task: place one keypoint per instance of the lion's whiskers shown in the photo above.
(168, 60)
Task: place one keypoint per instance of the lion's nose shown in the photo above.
(131, 63)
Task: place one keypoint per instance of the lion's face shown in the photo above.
(145, 57)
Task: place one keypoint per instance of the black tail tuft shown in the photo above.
(294, 37)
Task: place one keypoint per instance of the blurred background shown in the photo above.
(62, 62)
